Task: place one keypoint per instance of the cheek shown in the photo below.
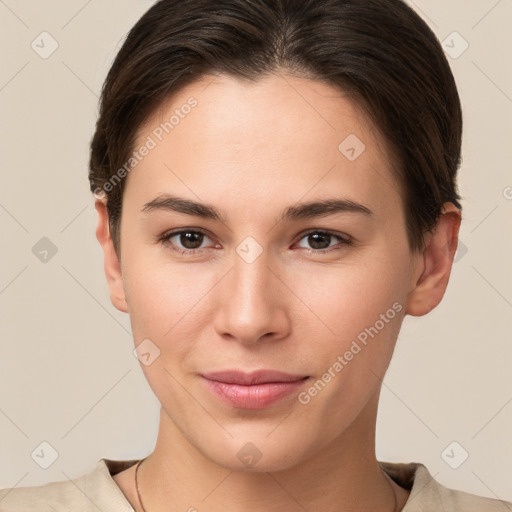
(361, 307)
(174, 306)
(161, 300)
(350, 297)
(165, 308)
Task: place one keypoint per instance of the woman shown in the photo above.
(275, 183)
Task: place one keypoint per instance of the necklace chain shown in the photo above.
(395, 509)
(137, 485)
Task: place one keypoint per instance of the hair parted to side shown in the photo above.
(379, 52)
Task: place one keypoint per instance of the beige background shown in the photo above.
(68, 376)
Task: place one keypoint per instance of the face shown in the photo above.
(243, 275)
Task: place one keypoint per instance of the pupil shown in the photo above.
(191, 240)
(314, 240)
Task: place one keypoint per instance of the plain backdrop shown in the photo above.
(68, 376)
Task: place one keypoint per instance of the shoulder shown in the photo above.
(91, 490)
(426, 493)
(58, 496)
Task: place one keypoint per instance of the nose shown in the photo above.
(251, 303)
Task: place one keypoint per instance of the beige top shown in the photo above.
(97, 490)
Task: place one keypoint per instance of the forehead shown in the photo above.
(297, 135)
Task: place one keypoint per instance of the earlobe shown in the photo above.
(438, 254)
(111, 265)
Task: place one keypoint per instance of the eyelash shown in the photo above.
(343, 240)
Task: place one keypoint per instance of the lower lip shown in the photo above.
(256, 396)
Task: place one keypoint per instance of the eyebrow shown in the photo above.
(299, 211)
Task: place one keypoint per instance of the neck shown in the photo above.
(343, 475)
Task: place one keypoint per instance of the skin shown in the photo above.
(252, 150)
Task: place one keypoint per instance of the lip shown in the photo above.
(250, 378)
(254, 390)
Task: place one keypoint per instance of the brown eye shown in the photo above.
(319, 240)
(322, 241)
(190, 239)
(184, 240)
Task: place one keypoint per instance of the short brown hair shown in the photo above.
(379, 52)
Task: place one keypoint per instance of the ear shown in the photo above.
(112, 265)
(437, 259)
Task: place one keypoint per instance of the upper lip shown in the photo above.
(254, 377)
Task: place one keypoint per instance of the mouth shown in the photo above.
(253, 390)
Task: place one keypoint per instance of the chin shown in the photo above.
(256, 454)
